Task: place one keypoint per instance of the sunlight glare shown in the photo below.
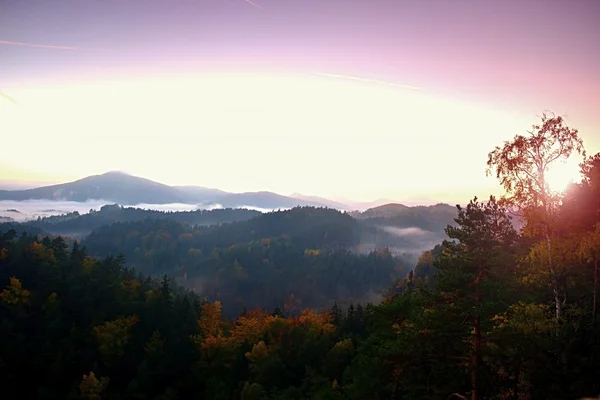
(561, 174)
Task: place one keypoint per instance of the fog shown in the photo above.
(26, 210)
(412, 231)
(21, 211)
(418, 239)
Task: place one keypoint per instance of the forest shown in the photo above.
(79, 225)
(498, 310)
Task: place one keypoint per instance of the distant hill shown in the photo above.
(264, 200)
(321, 200)
(112, 186)
(80, 225)
(433, 218)
(201, 194)
(419, 227)
(121, 188)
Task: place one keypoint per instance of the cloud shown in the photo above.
(252, 3)
(356, 78)
(43, 46)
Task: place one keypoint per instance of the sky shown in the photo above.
(347, 99)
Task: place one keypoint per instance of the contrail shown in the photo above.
(43, 46)
(8, 97)
(252, 3)
(355, 78)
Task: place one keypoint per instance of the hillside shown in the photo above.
(418, 228)
(80, 225)
(304, 256)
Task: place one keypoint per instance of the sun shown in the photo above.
(561, 174)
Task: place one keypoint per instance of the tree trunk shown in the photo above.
(476, 359)
(554, 275)
(595, 305)
(516, 386)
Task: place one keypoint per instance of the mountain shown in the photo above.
(365, 205)
(112, 186)
(201, 194)
(264, 200)
(329, 203)
(121, 188)
(384, 211)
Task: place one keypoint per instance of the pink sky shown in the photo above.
(516, 58)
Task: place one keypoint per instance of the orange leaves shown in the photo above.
(317, 323)
(265, 241)
(251, 327)
(3, 254)
(41, 252)
(185, 236)
(210, 321)
(91, 387)
(211, 325)
(14, 293)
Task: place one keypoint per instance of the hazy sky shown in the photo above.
(342, 98)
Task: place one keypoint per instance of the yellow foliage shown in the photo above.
(131, 285)
(113, 336)
(260, 351)
(195, 252)
(91, 387)
(318, 323)
(527, 319)
(344, 345)
(42, 252)
(14, 293)
(210, 321)
(251, 327)
(150, 295)
(87, 265)
(311, 252)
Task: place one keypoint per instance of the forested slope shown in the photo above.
(303, 257)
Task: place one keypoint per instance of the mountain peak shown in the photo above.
(115, 173)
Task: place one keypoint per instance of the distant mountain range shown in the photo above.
(121, 188)
(125, 189)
